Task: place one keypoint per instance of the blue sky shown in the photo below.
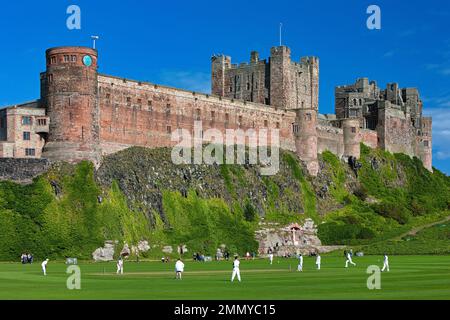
(171, 42)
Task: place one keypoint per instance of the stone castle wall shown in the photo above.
(133, 113)
(91, 115)
(395, 132)
(330, 139)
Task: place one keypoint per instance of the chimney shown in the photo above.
(254, 57)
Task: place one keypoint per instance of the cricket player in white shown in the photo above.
(318, 261)
(271, 257)
(349, 260)
(179, 269)
(300, 262)
(236, 271)
(44, 266)
(120, 266)
(386, 263)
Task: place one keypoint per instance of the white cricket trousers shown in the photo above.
(300, 267)
(44, 269)
(237, 273)
(349, 261)
(119, 269)
(385, 266)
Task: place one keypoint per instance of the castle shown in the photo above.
(83, 115)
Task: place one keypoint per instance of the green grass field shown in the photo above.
(411, 277)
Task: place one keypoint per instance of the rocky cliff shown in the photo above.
(139, 195)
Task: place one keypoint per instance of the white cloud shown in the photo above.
(442, 69)
(442, 155)
(195, 81)
(389, 54)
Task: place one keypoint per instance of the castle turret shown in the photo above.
(219, 65)
(352, 138)
(69, 94)
(280, 62)
(314, 74)
(306, 139)
(425, 143)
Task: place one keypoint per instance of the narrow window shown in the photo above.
(353, 130)
(266, 123)
(129, 101)
(26, 136)
(227, 117)
(169, 129)
(30, 152)
(26, 120)
(278, 125)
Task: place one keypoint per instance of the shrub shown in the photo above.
(250, 213)
(361, 192)
(392, 211)
(334, 233)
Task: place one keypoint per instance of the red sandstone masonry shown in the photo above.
(92, 114)
(144, 114)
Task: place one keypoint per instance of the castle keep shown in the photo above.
(82, 114)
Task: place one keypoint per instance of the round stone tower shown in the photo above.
(425, 143)
(306, 139)
(351, 138)
(69, 93)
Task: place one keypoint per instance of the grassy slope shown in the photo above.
(411, 277)
(390, 197)
(432, 240)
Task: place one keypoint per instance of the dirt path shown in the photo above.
(414, 231)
